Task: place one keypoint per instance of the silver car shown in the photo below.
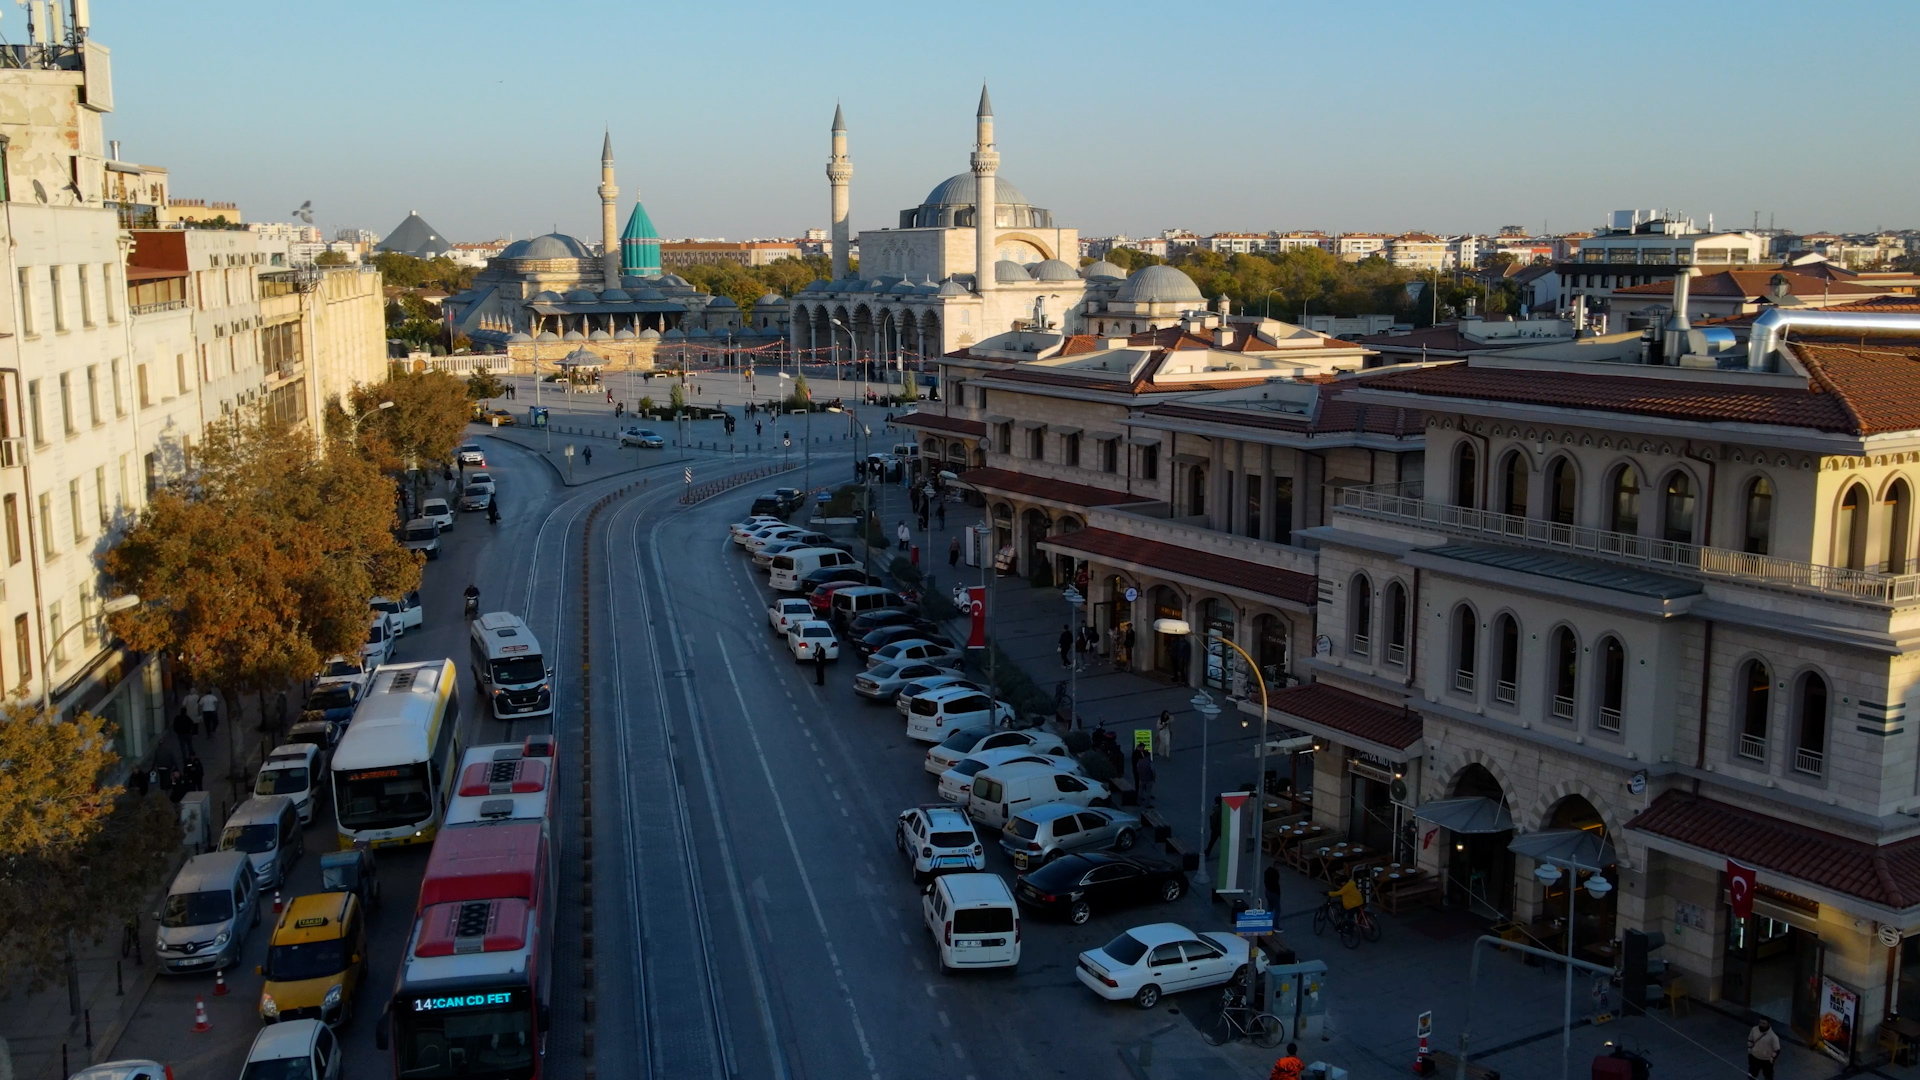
(941, 651)
(1038, 836)
(881, 683)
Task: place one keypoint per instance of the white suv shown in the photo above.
(937, 838)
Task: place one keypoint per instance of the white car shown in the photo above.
(129, 1069)
(739, 529)
(768, 535)
(644, 438)
(971, 742)
(787, 610)
(406, 611)
(294, 770)
(483, 480)
(904, 702)
(763, 555)
(471, 454)
(379, 647)
(302, 1048)
(1161, 958)
(810, 634)
(936, 838)
(439, 511)
(759, 532)
(956, 783)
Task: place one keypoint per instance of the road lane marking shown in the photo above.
(904, 939)
(930, 990)
(944, 1022)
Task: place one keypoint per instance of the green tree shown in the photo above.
(483, 385)
(677, 397)
(909, 387)
(427, 420)
(801, 399)
(332, 258)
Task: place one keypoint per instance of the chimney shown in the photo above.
(1222, 336)
(1677, 324)
(113, 150)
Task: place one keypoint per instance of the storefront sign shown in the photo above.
(1143, 738)
(1132, 594)
(1838, 1010)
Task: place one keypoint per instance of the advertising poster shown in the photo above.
(1838, 1006)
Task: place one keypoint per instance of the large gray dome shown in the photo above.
(1055, 270)
(1104, 269)
(1160, 285)
(958, 190)
(1010, 271)
(553, 246)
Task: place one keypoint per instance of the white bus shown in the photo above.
(394, 767)
(507, 667)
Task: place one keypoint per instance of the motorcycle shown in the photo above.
(473, 606)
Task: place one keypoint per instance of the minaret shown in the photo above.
(839, 172)
(985, 163)
(609, 231)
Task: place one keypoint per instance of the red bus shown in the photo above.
(472, 995)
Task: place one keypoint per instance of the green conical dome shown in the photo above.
(639, 245)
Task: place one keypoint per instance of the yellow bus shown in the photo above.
(394, 767)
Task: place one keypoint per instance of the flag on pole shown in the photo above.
(1740, 882)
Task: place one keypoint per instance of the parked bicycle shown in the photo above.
(1238, 1019)
(1349, 911)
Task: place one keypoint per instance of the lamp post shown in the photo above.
(852, 356)
(1598, 887)
(1075, 603)
(1181, 627)
(986, 582)
(1204, 705)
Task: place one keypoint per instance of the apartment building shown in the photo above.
(1353, 247)
(1422, 252)
(1656, 622)
(1646, 248)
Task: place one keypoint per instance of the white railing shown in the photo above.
(1396, 655)
(1808, 761)
(1563, 707)
(468, 363)
(1406, 502)
(1753, 746)
(1360, 649)
(1609, 719)
(1463, 680)
(1505, 692)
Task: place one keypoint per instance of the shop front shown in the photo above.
(1774, 959)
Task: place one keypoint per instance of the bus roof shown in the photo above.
(502, 782)
(397, 720)
(484, 864)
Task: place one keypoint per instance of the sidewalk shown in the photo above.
(36, 1026)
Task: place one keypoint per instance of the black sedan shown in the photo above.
(1075, 886)
(867, 622)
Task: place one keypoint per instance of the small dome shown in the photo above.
(1103, 269)
(614, 296)
(1160, 285)
(517, 338)
(673, 335)
(951, 287)
(547, 335)
(903, 287)
(554, 246)
(697, 332)
(631, 282)
(816, 285)
(599, 334)
(674, 281)
(649, 334)
(547, 297)
(513, 250)
(1055, 270)
(1008, 270)
(722, 302)
(649, 294)
(582, 296)
(623, 334)
(771, 300)
(574, 335)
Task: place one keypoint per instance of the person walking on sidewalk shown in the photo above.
(1163, 735)
(1763, 1046)
(953, 553)
(210, 711)
(1066, 647)
(195, 773)
(183, 729)
(587, 452)
(1272, 884)
(1143, 776)
(1080, 650)
(1213, 825)
(904, 535)
(940, 513)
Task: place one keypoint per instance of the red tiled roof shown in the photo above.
(1753, 284)
(1117, 547)
(936, 422)
(1886, 874)
(1878, 381)
(1343, 710)
(1008, 482)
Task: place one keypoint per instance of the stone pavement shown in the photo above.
(36, 1026)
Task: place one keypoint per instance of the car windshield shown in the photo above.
(252, 839)
(339, 877)
(282, 782)
(951, 839)
(427, 533)
(969, 767)
(476, 489)
(961, 740)
(308, 960)
(197, 908)
(338, 668)
(993, 920)
(434, 506)
(815, 631)
(1125, 949)
(339, 696)
(519, 670)
(376, 634)
(1020, 827)
(299, 1068)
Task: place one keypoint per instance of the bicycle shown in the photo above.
(1351, 922)
(1237, 1018)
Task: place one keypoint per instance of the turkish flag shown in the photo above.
(977, 605)
(1740, 888)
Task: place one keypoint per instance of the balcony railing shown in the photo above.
(1753, 746)
(1396, 655)
(1406, 502)
(1361, 647)
(1505, 692)
(1562, 707)
(1810, 762)
(1463, 680)
(1609, 719)
(163, 305)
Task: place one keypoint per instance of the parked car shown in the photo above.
(768, 504)
(304, 1048)
(483, 479)
(1162, 958)
(1005, 790)
(917, 648)
(378, 648)
(739, 529)
(267, 829)
(785, 611)
(956, 783)
(971, 740)
(334, 700)
(324, 734)
(760, 531)
(937, 838)
(904, 700)
(790, 498)
(768, 535)
(973, 920)
(471, 454)
(644, 438)
(1077, 886)
(126, 1069)
(881, 683)
(804, 637)
(936, 713)
(868, 621)
(296, 770)
(849, 603)
(763, 555)
(422, 534)
(209, 907)
(497, 417)
(833, 575)
(1038, 836)
(476, 497)
(406, 611)
(439, 511)
(820, 597)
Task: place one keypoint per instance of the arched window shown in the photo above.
(1506, 644)
(1360, 619)
(1623, 509)
(1466, 634)
(1677, 509)
(1565, 674)
(1397, 624)
(1850, 531)
(1561, 491)
(1513, 485)
(1466, 475)
(1613, 684)
(1755, 700)
(1810, 742)
(1759, 512)
(1899, 526)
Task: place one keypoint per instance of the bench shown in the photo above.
(1189, 858)
(1410, 897)
(1128, 796)
(1449, 1065)
(1153, 820)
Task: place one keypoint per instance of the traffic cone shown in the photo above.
(276, 901)
(219, 984)
(200, 1014)
(1422, 1061)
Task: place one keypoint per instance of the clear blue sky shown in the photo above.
(1119, 116)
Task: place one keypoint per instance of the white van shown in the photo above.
(973, 921)
(790, 566)
(1004, 790)
(508, 667)
(937, 713)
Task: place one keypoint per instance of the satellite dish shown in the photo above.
(39, 192)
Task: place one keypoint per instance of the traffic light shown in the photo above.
(1634, 973)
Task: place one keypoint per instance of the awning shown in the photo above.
(1144, 440)
(1103, 436)
(1064, 430)
(1565, 847)
(995, 418)
(1029, 425)
(1472, 814)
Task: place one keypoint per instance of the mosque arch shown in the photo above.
(1002, 238)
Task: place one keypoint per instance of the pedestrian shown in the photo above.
(953, 553)
(192, 704)
(1066, 647)
(1213, 825)
(1143, 776)
(1763, 1046)
(587, 452)
(140, 781)
(940, 513)
(210, 711)
(819, 665)
(195, 773)
(1289, 1067)
(1182, 656)
(1114, 649)
(903, 534)
(183, 729)
(177, 786)
(1163, 735)
(756, 429)
(1079, 651)
(1272, 883)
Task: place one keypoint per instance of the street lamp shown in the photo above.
(1075, 603)
(1208, 711)
(986, 582)
(1597, 887)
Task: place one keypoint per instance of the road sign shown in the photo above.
(1253, 921)
(689, 474)
(1426, 1025)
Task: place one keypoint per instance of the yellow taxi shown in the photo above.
(316, 961)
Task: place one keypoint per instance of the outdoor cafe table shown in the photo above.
(1334, 861)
